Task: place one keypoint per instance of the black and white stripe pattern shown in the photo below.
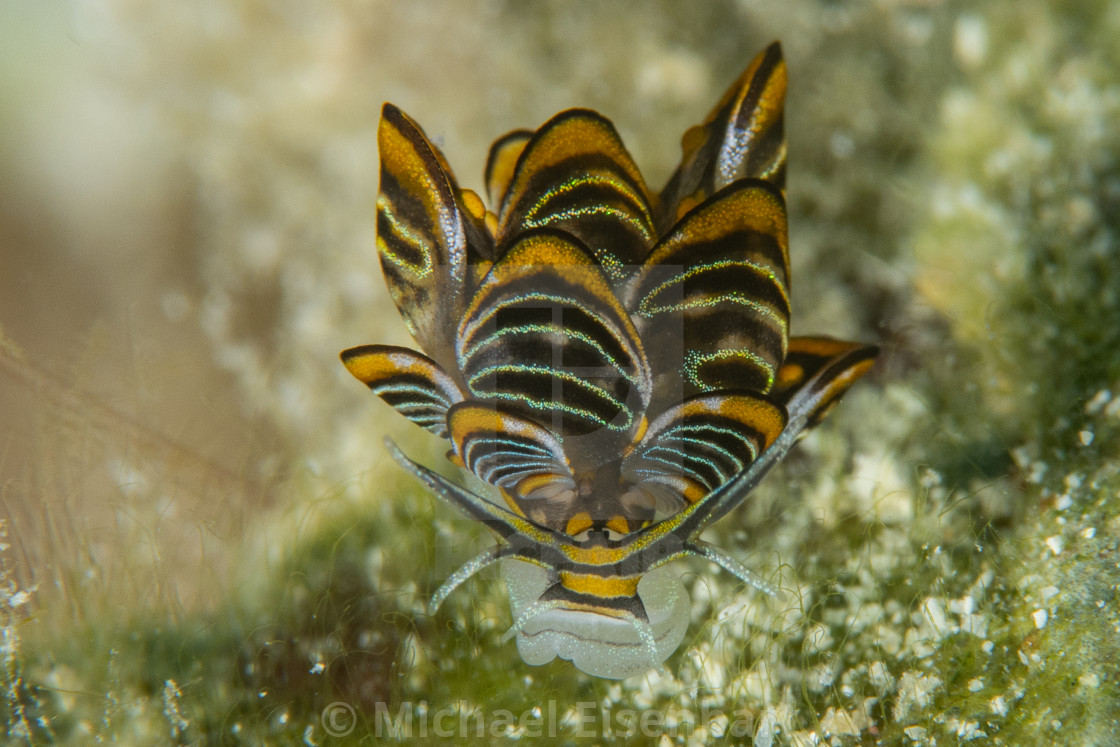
(742, 137)
(707, 440)
(408, 381)
(546, 338)
(724, 269)
(576, 176)
(503, 449)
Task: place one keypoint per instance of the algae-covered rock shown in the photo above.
(946, 542)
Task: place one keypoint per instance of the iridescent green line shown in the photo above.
(693, 360)
(554, 405)
(408, 236)
(433, 394)
(620, 187)
(633, 378)
(646, 307)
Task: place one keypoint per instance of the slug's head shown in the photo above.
(608, 605)
(633, 634)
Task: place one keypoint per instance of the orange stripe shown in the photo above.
(597, 586)
(581, 522)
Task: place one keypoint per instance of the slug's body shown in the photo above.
(617, 363)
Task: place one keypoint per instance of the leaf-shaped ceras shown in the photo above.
(546, 340)
(427, 237)
(575, 176)
(618, 365)
(724, 269)
(743, 136)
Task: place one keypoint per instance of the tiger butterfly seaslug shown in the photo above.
(616, 363)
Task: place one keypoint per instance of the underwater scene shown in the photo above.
(560, 372)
